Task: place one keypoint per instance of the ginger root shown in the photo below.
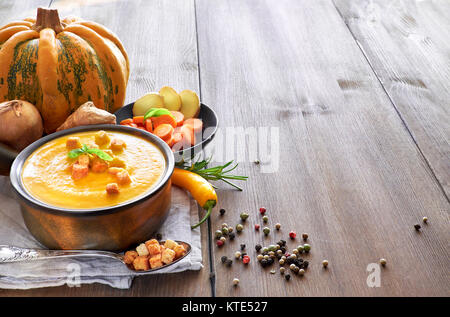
(88, 114)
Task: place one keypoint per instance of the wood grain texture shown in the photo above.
(19, 9)
(160, 39)
(406, 42)
(350, 174)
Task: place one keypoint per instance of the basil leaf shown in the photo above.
(156, 112)
(100, 154)
(75, 153)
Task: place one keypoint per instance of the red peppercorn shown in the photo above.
(246, 259)
(257, 227)
(262, 210)
(219, 243)
(292, 235)
(287, 254)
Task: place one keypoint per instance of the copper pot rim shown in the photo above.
(18, 186)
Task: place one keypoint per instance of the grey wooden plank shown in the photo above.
(407, 44)
(349, 173)
(11, 10)
(160, 39)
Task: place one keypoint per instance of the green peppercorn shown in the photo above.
(279, 252)
(271, 254)
(239, 227)
(300, 249)
(244, 216)
(260, 257)
(265, 218)
(224, 225)
(266, 257)
(218, 234)
(306, 247)
(225, 230)
(282, 270)
(265, 250)
(278, 226)
(266, 231)
(272, 247)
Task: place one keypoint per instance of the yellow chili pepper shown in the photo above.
(200, 189)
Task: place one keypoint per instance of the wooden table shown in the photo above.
(360, 94)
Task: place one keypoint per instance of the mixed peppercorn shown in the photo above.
(267, 255)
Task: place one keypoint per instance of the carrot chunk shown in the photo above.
(196, 124)
(164, 119)
(139, 120)
(164, 131)
(126, 121)
(188, 134)
(148, 125)
(179, 117)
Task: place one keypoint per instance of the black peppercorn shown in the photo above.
(224, 259)
(287, 277)
(258, 247)
(417, 227)
(222, 211)
(229, 262)
(242, 246)
(264, 262)
(305, 264)
(270, 261)
(231, 236)
(158, 236)
(283, 242)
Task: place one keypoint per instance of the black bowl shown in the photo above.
(206, 114)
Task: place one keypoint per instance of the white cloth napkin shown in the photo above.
(71, 271)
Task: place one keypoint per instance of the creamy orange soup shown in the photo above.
(47, 173)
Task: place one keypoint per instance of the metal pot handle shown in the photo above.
(7, 156)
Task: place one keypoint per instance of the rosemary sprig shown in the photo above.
(217, 173)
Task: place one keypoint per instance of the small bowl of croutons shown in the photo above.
(153, 255)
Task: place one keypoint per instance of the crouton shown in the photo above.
(112, 188)
(141, 263)
(79, 171)
(170, 244)
(98, 165)
(73, 143)
(167, 256)
(129, 256)
(117, 145)
(102, 138)
(179, 251)
(154, 249)
(142, 249)
(123, 177)
(150, 242)
(155, 261)
(83, 160)
(117, 162)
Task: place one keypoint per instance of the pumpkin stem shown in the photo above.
(47, 18)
